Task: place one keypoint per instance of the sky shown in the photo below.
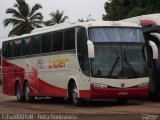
(74, 9)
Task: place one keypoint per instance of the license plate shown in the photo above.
(123, 93)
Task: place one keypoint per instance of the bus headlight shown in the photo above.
(98, 85)
(143, 85)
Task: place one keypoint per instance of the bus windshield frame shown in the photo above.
(119, 59)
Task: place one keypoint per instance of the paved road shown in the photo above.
(110, 110)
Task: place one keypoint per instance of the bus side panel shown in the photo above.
(11, 73)
(5, 77)
(31, 75)
(46, 89)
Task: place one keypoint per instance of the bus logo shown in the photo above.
(122, 85)
(57, 62)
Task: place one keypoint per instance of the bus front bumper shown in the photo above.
(127, 93)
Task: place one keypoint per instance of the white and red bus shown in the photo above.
(89, 60)
(151, 28)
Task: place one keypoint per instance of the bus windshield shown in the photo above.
(116, 35)
(119, 59)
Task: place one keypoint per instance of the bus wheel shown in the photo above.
(27, 96)
(122, 101)
(75, 100)
(19, 96)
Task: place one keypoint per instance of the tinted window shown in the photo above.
(35, 45)
(4, 46)
(82, 50)
(69, 39)
(17, 48)
(57, 41)
(46, 43)
(26, 46)
(10, 49)
(105, 34)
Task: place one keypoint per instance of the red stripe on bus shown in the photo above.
(142, 22)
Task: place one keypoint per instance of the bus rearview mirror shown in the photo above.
(154, 49)
(157, 35)
(90, 49)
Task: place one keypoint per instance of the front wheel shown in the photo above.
(75, 100)
(19, 96)
(27, 96)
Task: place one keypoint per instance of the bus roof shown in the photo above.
(144, 19)
(71, 25)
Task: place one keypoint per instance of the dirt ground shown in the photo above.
(101, 110)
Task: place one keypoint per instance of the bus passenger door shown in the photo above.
(157, 74)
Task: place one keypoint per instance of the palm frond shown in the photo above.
(34, 9)
(64, 19)
(37, 16)
(14, 12)
(12, 21)
(21, 29)
(14, 31)
(23, 8)
(36, 24)
(57, 17)
(16, 5)
(49, 23)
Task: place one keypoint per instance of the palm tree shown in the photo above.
(56, 18)
(24, 19)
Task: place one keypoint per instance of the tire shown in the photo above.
(122, 101)
(27, 96)
(75, 100)
(20, 97)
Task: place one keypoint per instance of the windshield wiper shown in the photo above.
(129, 64)
(113, 67)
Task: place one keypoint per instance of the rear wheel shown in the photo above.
(19, 96)
(27, 96)
(75, 100)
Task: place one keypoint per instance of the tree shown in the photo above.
(121, 9)
(24, 19)
(56, 18)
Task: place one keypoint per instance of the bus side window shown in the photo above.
(10, 48)
(35, 45)
(46, 43)
(82, 50)
(26, 45)
(69, 39)
(4, 50)
(17, 48)
(57, 41)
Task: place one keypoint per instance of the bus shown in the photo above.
(78, 61)
(151, 28)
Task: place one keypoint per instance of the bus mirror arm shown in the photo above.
(90, 49)
(154, 49)
(157, 35)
